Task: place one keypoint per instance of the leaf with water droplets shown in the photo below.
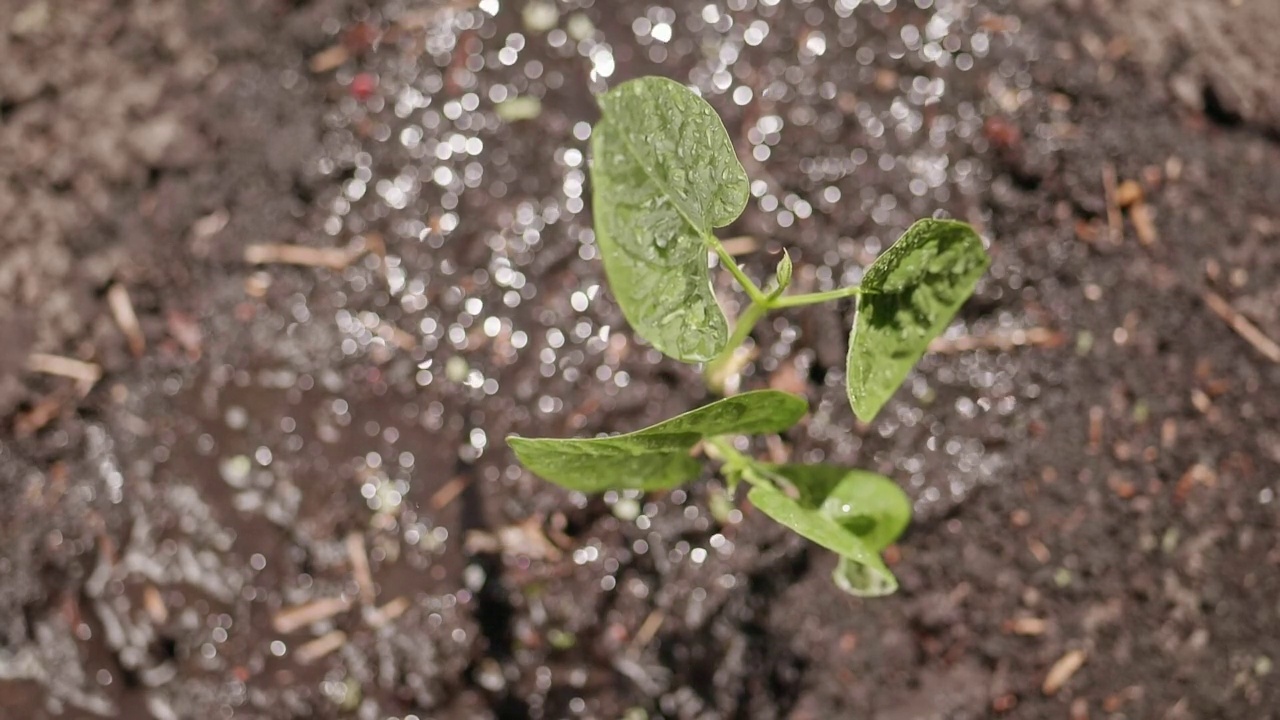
(656, 457)
(855, 513)
(909, 295)
(872, 506)
(663, 175)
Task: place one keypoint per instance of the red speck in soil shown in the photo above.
(1002, 134)
(363, 85)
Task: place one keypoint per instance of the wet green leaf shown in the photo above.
(854, 513)
(648, 462)
(910, 293)
(863, 580)
(663, 175)
(658, 456)
(872, 506)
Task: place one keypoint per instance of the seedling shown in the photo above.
(664, 175)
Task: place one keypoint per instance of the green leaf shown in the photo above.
(863, 580)
(648, 462)
(663, 174)
(870, 505)
(909, 295)
(656, 457)
(782, 275)
(854, 513)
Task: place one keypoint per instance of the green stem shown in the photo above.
(815, 298)
(723, 450)
(761, 303)
(753, 291)
(741, 331)
(736, 463)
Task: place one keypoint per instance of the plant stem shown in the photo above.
(741, 330)
(761, 303)
(746, 323)
(743, 466)
(723, 450)
(753, 291)
(815, 298)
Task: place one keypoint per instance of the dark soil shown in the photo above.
(1093, 450)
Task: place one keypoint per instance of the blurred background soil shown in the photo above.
(277, 276)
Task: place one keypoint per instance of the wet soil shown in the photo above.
(294, 500)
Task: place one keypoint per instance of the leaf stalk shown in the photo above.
(753, 291)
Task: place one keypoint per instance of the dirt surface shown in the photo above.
(286, 495)
(1218, 58)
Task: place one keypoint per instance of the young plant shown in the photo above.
(664, 176)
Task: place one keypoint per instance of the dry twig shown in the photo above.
(1029, 626)
(1242, 326)
(290, 619)
(449, 492)
(1062, 671)
(359, 557)
(314, 650)
(86, 374)
(523, 539)
(1128, 193)
(332, 258)
(1039, 551)
(153, 603)
(331, 58)
(1096, 417)
(379, 617)
(1197, 474)
(1143, 224)
(122, 310)
(648, 629)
